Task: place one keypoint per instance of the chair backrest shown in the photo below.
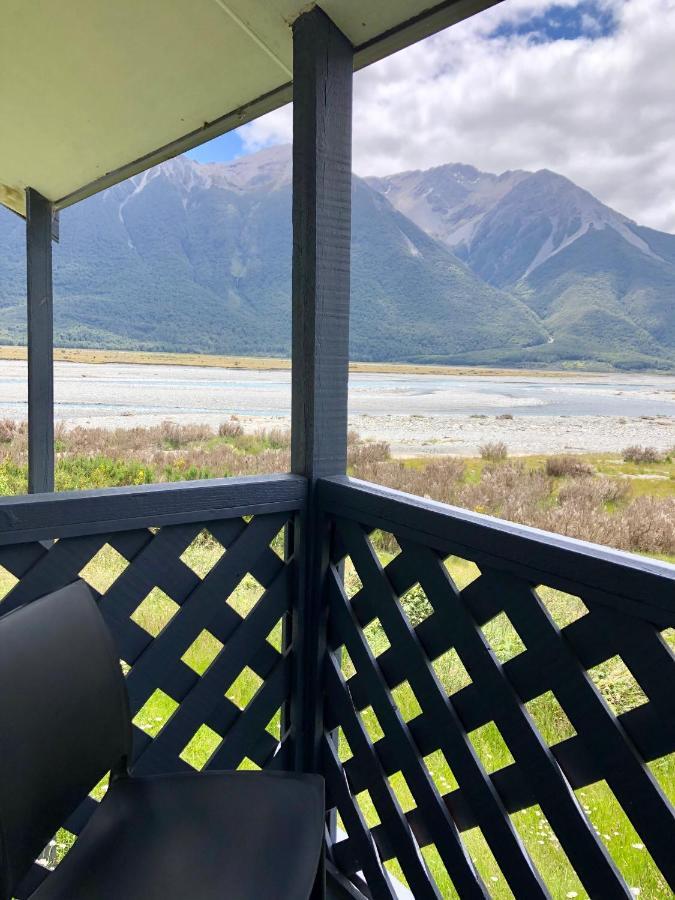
(64, 720)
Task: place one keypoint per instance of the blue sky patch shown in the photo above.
(221, 149)
(588, 19)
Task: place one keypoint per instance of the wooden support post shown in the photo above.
(322, 153)
(40, 343)
(322, 114)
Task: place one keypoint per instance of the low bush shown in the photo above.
(360, 453)
(230, 429)
(594, 491)
(175, 436)
(566, 466)
(8, 430)
(494, 451)
(638, 454)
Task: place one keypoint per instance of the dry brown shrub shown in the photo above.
(637, 454)
(8, 430)
(592, 508)
(230, 429)
(510, 491)
(566, 465)
(178, 435)
(362, 453)
(494, 451)
(594, 491)
(649, 523)
(645, 525)
(587, 523)
(438, 481)
(277, 438)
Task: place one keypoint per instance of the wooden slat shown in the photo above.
(556, 799)
(415, 774)
(453, 740)
(73, 513)
(381, 792)
(364, 851)
(632, 584)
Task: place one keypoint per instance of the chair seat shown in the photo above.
(225, 835)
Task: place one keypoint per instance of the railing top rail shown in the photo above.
(72, 513)
(640, 586)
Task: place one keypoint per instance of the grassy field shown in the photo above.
(630, 505)
(267, 363)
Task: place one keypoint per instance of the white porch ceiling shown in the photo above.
(93, 91)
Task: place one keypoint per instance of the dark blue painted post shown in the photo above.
(322, 115)
(39, 217)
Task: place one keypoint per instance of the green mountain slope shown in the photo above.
(602, 286)
(448, 265)
(604, 299)
(198, 258)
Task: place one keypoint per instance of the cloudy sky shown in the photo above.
(584, 87)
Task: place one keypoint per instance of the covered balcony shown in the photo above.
(389, 724)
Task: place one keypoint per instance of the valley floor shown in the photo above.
(429, 436)
(437, 413)
(94, 356)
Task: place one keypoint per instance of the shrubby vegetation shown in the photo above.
(494, 451)
(565, 494)
(626, 506)
(639, 454)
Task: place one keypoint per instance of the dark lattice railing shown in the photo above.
(469, 705)
(466, 698)
(193, 584)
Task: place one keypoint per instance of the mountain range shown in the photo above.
(449, 265)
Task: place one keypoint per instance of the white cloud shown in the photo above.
(598, 109)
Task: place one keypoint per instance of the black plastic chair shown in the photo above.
(64, 723)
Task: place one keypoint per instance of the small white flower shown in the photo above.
(494, 878)
(635, 891)
(638, 846)
(571, 894)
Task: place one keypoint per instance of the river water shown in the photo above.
(106, 394)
